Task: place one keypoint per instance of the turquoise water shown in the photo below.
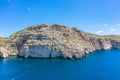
(100, 65)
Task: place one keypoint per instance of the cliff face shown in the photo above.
(3, 49)
(52, 41)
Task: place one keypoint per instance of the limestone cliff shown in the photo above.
(3, 49)
(56, 41)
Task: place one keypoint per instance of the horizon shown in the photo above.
(92, 16)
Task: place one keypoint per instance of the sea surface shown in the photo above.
(99, 65)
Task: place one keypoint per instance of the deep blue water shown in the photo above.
(100, 65)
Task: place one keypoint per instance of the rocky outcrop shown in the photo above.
(4, 53)
(57, 41)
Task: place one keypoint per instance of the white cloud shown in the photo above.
(106, 25)
(99, 32)
(9, 0)
(108, 29)
(28, 8)
(118, 25)
(31, 9)
(112, 30)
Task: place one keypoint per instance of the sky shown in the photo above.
(100, 17)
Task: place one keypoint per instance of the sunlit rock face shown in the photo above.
(38, 52)
(4, 53)
(57, 41)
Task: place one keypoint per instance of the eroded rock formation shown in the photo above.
(56, 41)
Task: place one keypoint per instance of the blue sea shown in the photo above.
(99, 65)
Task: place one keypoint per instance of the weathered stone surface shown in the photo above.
(53, 41)
(3, 52)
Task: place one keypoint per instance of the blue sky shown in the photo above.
(94, 16)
